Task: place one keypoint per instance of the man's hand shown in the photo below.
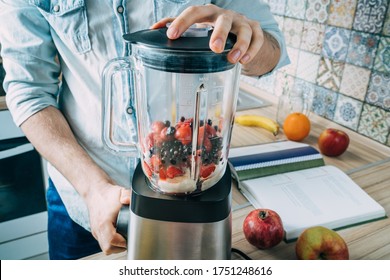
(51, 135)
(104, 204)
(255, 49)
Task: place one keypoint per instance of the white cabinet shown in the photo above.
(23, 180)
(24, 238)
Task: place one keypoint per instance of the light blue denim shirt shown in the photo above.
(84, 35)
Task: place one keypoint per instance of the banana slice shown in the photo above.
(258, 121)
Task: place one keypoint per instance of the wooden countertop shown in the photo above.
(3, 106)
(367, 162)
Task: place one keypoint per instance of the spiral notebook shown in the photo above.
(273, 158)
(292, 179)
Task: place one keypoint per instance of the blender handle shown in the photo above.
(122, 64)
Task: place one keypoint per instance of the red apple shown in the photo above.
(321, 243)
(263, 228)
(333, 142)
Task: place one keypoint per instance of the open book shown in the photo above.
(301, 188)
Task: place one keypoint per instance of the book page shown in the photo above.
(316, 196)
(265, 148)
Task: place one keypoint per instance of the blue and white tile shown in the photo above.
(317, 10)
(370, 15)
(348, 111)
(375, 123)
(306, 90)
(386, 25)
(280, 21)
(336, 43)
(330, 73)
(292, 30)
(341, 13)
(283, 82)
(291, 68)
(307, 67)
(324, 102)
(277, 7)
(382, 59)
(266, 83)
(355, 81)
(312, 37)
(378, 93)
(296, 8)
(362, 49)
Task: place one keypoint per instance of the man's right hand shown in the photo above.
(104, 203)
(51, 135)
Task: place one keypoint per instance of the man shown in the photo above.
(54, 53)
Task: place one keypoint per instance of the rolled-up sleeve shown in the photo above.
(259, 11)
(32, 74)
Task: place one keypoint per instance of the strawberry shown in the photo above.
(155, 162)
(149, 141)
(147, 169)
(207, 144)
(157, 126)
(173, 171)
(162, 174)
(210, 131)
(184, 134)
(167, 133)
(206, 170)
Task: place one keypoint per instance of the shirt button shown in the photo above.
(120, 9)
(56, 8)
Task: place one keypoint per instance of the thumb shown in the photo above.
(125, 196)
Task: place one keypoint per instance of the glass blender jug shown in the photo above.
(185, 99)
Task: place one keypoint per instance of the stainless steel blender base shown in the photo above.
(161, 240)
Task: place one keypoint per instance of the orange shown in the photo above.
(296, 126)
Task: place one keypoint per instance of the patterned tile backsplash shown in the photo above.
(340, 56)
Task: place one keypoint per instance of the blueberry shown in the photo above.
(171, 131)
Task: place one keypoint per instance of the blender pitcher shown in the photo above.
(185, 99)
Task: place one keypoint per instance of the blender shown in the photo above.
(172, 103)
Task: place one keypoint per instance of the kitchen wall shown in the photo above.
(340, 54)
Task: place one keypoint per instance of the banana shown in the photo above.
(258, 121)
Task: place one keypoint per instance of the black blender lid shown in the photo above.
(157, 38)
(188, 54)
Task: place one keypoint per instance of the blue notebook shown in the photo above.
(273, 158)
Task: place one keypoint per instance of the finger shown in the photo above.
(222, 27)
(125, 196)
(118, 241)
(244, 36)
(162, 23)
(109, 240)
(115, 250)
(191, 15)
(255, 45)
